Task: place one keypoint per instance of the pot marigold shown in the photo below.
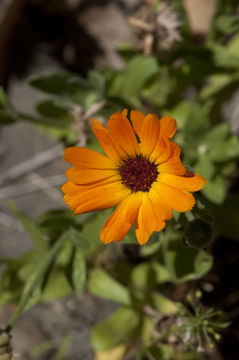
(141, 172)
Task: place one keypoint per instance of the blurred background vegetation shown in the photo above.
(62, 62)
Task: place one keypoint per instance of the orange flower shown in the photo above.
(142, 172)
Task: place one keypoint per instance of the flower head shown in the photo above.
(141, 173)
(154, 27)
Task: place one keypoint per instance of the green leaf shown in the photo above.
(215, 83)
(116, 329)
(97, 80)
(64, 256)
(63, 84)
(217, 134)
(35, 298)
(3, 98)
(57, 286)
(163, 305)
(54, 128)
(180, 112)
(148, 325)
(146, 275)
(6, 297)
(72, 87)
(79, 241)
(204, 167)
(112, 106)
(54, 222)
(36, 278)
(126, 50)
(183, 263)
(10, 284)
(41, 245)
(129, 83)
(226, 216)
(227, 168)
(89, 235)
(215, 190)
(164, 352)
(103, 285)
(150, 248)
(130, 238)
(161, 272)
(139, 69)
(64, 348)
(41, 348)
(27, 268)
(193, 120)
(53, 108)
(157, 91)
(233, 44)
(55, 113)
(224, 57)
(79, 272)
(7, 114)
(225, 151)
(197, 120)
(227, 24)
(142, 277)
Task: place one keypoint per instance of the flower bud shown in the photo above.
(4, 338)
(198, 233)
(5, 345)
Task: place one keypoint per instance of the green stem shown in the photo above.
(145, 348)
(165, 335)
(35, 279)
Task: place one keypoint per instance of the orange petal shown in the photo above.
(173, 165)
(124, 112)
(87, 158)
(161, 212)
(70, 188)
(193, 183)
(137, 119)
(107, 142)
(146, 220)
(161, 209)
(149, 218)
(87, 176)
(161, 151)
(67, 199)
(168, 126)
(179, 200)
(122, 219)
(149, 134)
(175, 150)
(160, 226)
(97, 198)
(123, 133)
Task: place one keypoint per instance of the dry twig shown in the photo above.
(31, 164)
(29, 187)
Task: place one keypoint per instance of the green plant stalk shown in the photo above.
(35, 279)
(144, 349)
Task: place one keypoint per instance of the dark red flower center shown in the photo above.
(138, 174)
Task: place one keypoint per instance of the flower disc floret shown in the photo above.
(138, 174)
